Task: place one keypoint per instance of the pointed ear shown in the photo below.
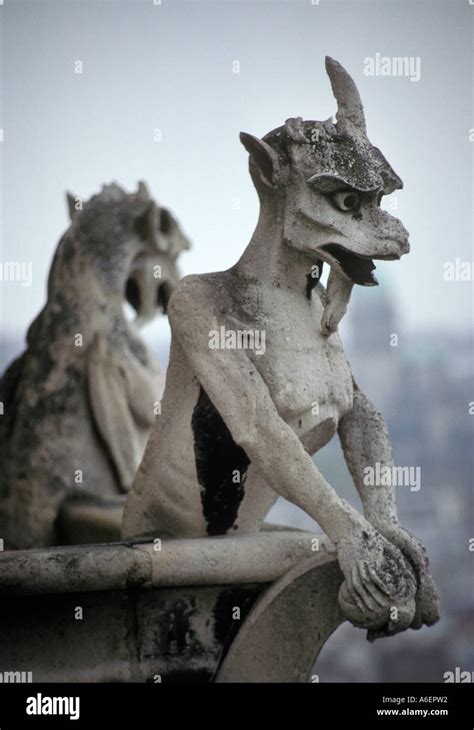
(147, 222)
(143, 191)
(263, 157)
(71, 205)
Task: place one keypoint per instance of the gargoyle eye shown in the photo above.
(346, 200)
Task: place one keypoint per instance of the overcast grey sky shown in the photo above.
(170, 66)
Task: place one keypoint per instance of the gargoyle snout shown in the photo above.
(391, 238)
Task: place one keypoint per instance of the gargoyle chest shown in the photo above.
(307, 374)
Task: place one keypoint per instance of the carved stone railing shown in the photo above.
(247, 608)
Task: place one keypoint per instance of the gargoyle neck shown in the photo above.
(270, 259)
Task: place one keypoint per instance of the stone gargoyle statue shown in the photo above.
(240, 423)
(79, 402)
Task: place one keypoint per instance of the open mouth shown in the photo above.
(163, 296)
(133, 294)
(140, 300)
(356, 267)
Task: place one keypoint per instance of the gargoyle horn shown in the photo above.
(71, 205)
(143, 191)
(147, 222)
(350, 112)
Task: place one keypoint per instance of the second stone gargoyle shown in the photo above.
(79, 402)
(258, 380)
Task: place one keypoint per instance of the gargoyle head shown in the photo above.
(134, 244)
(328, 180)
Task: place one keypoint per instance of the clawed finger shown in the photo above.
(380, 596)
(381, 584)
(353, 594)
(370, 604)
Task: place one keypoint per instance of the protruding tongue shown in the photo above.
(338, 293)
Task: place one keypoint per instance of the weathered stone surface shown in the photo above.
(258, 558)
(131, 613)
(155, 635)
(288, 626)
(79, 402)
(258, 380)
(88, 521)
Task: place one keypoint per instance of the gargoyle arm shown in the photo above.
(365, 441)
(242, 398)
(110, 406)
(143, 387)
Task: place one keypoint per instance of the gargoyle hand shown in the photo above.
(427, 597)
(379, 590)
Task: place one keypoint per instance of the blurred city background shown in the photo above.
(423, 387)
(171, 67)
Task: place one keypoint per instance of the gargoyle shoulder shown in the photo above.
(192, 300)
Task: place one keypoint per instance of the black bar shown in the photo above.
(155, 705)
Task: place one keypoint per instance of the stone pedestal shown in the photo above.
(250, 609)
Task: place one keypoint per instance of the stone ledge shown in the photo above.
(228, 560)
